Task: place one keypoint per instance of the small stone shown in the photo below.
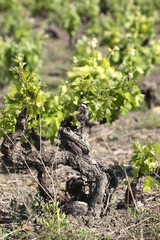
(76, 208)
(107, 219)
(140, 204)
(90, 222)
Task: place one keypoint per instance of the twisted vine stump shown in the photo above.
(91, 192)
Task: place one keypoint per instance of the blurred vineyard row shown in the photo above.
(128, 25)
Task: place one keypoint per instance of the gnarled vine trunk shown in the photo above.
(89, 193)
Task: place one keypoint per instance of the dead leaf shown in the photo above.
(25, 227)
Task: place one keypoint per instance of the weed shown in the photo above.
(54, 225)
(147, 221)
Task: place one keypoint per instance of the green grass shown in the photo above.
(150, 120)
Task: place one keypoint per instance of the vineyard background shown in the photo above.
(51, 57)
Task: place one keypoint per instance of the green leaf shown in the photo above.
(150, 183)
(26, 74)
(140, 70)
(80, 71)
(139, 99)
(157, 149)
(40, 99)
(1, 133)
(135, 172)
(128, 106)
(18, 85)
(129, 97)
(13, 91)
(136, 145)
